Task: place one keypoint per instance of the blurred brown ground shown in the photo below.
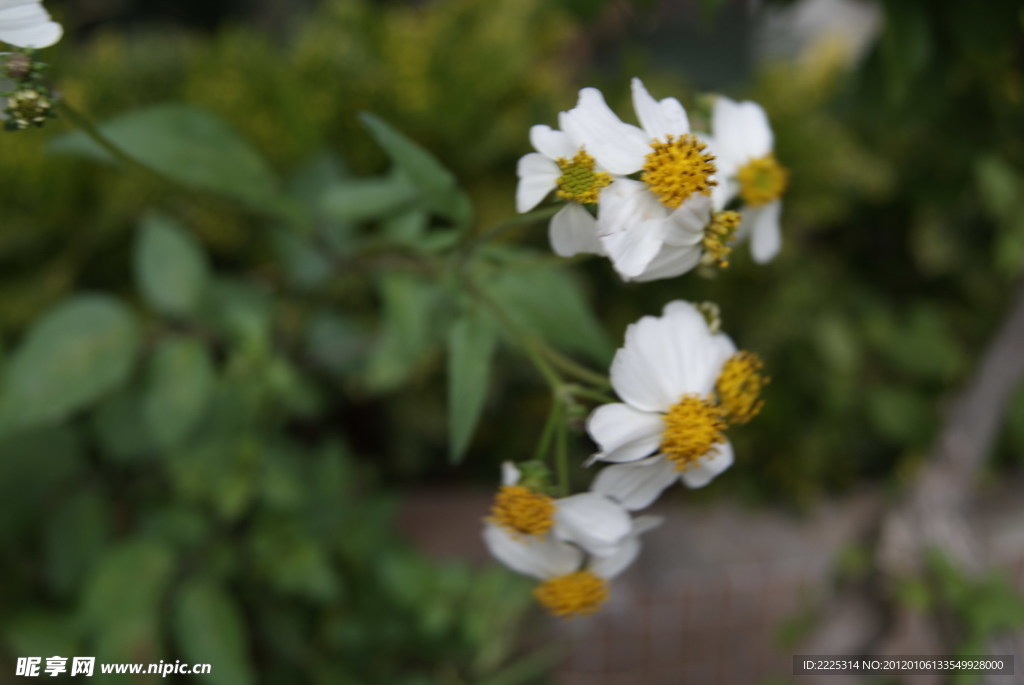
(711, 595)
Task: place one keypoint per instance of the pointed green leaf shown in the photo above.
(170, 267)
(209, 629)
(181, 381)
(471, 344)
(438, 188)
(79, 350)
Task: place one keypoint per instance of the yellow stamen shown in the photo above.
(677, 168)
(739, 387)
(693, 428)
(575, 594)
(579, 182)
(762, 180)
(717, 237)
(521, 510)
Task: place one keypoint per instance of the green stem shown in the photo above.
(496, 230)
(594, 395)
(562, 458)
(88, 128)
(528, 344)
(574, 369)
(554, 418)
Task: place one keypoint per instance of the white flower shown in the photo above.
(561, 164)
(573, 584)
(653, 227)
(26, 24)
(588, 519)
(680, 386)
(742, 143)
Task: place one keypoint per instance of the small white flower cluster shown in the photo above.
(657, 200)
(682, 385)
(662, 193)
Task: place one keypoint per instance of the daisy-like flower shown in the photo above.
(743, 142)
(653, 227)
(26, 24)
(588, 519)
(681, 386)
(561, 164)
(573, 583)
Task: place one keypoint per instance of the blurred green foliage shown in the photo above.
(215, 378)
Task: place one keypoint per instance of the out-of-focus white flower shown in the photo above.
(573, 584)
(27, 24)
(743, 146)
(681, 386)
(652, 227)
(561, 164)
(588, 519)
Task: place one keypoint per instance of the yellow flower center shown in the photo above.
(521, 510)
(717, 237)
(678, 168)
(739, 387)
(579, 182)
(762, 180)
(693, 426)
(575, 594)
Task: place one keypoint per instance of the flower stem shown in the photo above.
(562, 457)
(574, 369)
(521, 220)
(554, 418)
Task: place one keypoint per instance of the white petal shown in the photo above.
(689, 221)
(509, 473)
(537, 556)
(638, 484)
(708, 467)
(670, 262)
(591, 521)
(632, 250)
(624, 204)
(551, 143)
(665, 358)
(26, 24)
(741, 131)
(574, 231)
(618, 147)
(619, 561)
(659, 119)
(724, 348)
(623, 433)
(765, 232)
(538, 176)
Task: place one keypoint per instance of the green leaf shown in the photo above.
(367, 199)
(120, 606)
(76, 352)
(188, 145)
(170, 267)
(438, 188)
(34, 467)
(120, 427)
(550, 302)
(209, 629)
(75, 539)
(471, 344)
(407, 332)
(181, 380)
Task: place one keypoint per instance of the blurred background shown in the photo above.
(258, 475)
